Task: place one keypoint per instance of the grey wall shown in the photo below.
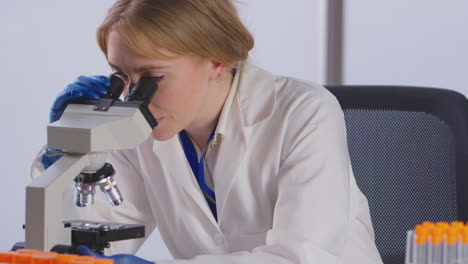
(46, 44)
(418, 42)
(290, 38)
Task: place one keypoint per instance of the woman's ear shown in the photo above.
(217, 69)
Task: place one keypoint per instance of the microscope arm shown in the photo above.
(44, 198)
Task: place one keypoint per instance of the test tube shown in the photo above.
(451, 240)
(410, 241)
(459, 247)
(83, 260)
(65, 258)
(429, 225)
(22, 258)
(6, 257)
(437, 236)
(457, 224)
(44, 258)
(464, 244)
(28, 251)
(443, 225)
(421, 246)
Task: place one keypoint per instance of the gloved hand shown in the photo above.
(48, 160)
(92, 87)
(118, 259)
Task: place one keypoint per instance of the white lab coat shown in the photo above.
(285, 191)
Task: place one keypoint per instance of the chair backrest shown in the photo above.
(409, 152)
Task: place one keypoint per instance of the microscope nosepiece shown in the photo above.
(86, 184)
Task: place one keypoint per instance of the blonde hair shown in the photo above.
(206, 28)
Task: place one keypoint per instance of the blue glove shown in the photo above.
(92, 87)
(118, 259)
(48, 160)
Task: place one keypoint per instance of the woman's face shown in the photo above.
(181, 93)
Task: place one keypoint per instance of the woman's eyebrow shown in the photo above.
(141, 68)
(149, 68)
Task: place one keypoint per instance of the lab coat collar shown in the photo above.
(253, 102)
(223, 118)
(256, 104)
(256, 93)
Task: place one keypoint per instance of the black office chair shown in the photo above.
(409, 151)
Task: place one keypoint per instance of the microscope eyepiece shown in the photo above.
(116, 87)
(143, 90)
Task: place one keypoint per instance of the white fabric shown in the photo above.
(282, 177)
(210, 153)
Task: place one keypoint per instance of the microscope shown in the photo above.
(85, 133)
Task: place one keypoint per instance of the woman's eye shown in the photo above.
(121, 76)
(154, 75)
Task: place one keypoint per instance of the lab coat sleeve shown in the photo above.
(135, 208)
(311, 215)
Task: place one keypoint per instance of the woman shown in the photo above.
(274, 182)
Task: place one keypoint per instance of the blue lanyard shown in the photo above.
(198, 168)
